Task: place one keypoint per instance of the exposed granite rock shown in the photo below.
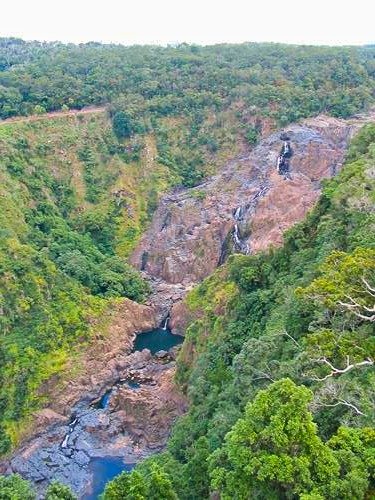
(180, 318)
(104, 361)
(190, 228)
(47, 417)
(245, 208)
(148, 414)
(135, 423)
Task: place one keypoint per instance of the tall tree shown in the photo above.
(274, 451)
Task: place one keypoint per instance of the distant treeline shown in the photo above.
(284, 82)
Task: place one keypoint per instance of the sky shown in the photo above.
(329, 22)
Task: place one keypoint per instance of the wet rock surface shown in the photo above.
(135, 421)
(245, 208)
(191, 227)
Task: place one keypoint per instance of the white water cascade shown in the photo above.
(65, 442)
(239, 245)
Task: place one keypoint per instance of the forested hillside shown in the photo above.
(278, 364)
(236, 87)
(78, 190)
(60, 224)
(75, 198)
(288, 82)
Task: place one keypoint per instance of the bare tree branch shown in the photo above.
(339, 371)
(345, 403)
(369, 289)
(291, 338)
(353, 306)
(262, 376)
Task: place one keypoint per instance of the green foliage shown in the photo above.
(197, 102)
(77, 192)
(287, 314)
(275, 452)
(59, 262)
(13, 487)
(160, 486)
(361, 143)
(342, 277)
(59, 491)
(169, 81)
(133, 486)
(122, 125)
(252, 135)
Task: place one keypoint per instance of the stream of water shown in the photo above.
(106, 468)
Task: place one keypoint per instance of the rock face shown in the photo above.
(131, 421)
(148, 414)
(245, 208)
(180, 317)
(191, 228)
(104, 361)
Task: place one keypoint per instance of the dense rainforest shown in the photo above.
(278, 365)
(76, 194)
(142, 84)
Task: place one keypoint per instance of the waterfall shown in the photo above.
(236, 235)
(283, 160)
(65, 443)
(237, 238)
(238, 243)
(279, 162)
(238, 213)
(165, 324)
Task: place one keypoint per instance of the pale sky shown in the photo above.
(332, 22)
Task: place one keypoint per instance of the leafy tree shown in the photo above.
(39, 110)
(196, 469)
(154, 484)
(122, 125)
(5, 441)
(13, 487)
(355, 451)
(252, 135)
(126, 486)
(160, 486)
(274, 451)
(59, 491)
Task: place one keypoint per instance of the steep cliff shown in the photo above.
(264, 329)
(245, 208)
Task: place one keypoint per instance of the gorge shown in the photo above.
(122, 405)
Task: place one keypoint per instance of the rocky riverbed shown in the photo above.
(126, 423)
(119, 406)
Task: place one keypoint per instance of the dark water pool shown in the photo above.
(133, 385)
(104, 469)
(103, 401)
(156, 340)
